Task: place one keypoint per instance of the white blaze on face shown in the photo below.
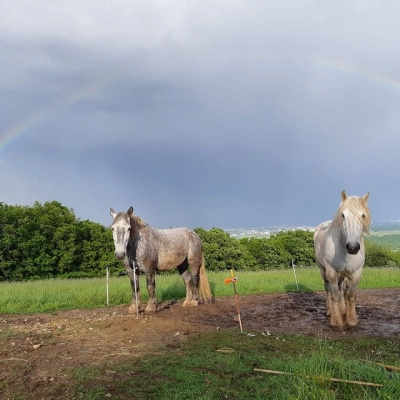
(353, 228)
(121, 232)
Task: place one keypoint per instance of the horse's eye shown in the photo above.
(342, 215)
(129, 228)
(363, 216)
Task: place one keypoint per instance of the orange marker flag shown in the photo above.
(229, 280)
(233, 279)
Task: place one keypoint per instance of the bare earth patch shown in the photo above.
(37, 351)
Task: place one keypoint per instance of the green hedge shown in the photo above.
(48, 241)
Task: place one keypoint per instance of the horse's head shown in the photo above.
(121, 229)
(355, 219)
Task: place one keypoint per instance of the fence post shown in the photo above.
(295, 277)
(107, 277)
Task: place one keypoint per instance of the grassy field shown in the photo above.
(385, 233)
(57, 294)
(220, 364)
(388, 240)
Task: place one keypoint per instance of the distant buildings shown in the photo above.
(240, 233)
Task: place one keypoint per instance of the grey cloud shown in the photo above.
(201, 114)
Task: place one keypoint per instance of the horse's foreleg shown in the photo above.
(151, 287)
(134, 278)
(336, 298)
(350, 294)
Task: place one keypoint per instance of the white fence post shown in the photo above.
(107, 277)
(295, 277)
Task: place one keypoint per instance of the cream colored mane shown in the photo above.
(357, 207)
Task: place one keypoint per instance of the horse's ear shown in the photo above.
(130, 211)
(344, 195)
(113, 213)
(366, 196)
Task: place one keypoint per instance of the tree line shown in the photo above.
(48, 241)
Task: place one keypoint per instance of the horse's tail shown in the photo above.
(205, 294)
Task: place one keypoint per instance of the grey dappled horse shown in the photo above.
(340, 255)
(151, 250)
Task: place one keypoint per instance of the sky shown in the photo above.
(204, 113)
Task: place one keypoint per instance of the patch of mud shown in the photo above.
(296, 313)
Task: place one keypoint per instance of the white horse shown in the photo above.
(340, 255)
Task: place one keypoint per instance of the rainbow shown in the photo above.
(348, 68)
(16, 130)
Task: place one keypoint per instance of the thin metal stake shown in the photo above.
(237, 306)
(136, 294)
(107, 277)
(233, 279)
(295, 277)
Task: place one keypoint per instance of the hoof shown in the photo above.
(340, 328)
(337, 324)
(190, 303)
(132, 310)
(352, 323)
(151, 308)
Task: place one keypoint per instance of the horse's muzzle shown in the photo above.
(353, 248)
(120, 255)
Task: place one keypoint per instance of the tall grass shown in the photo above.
(57, 294)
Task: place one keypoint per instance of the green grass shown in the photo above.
(380, 278)
(221, 365)
(57, 294)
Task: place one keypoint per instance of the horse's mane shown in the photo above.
(355, 205)
(138, 221)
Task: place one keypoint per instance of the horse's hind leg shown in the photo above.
(342, 289)
(328, 291)
(191, 284)
(328, 298)
(151, 287)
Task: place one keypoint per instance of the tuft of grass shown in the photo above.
(60, 294)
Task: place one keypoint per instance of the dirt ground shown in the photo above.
(42, 347)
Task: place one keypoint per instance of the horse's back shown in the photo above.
(177, 235)
(166, 242)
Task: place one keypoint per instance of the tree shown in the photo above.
(47, 240)
(266, 255)
(220, 250)
(97, 250)
(299, 244)
(377, 255)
